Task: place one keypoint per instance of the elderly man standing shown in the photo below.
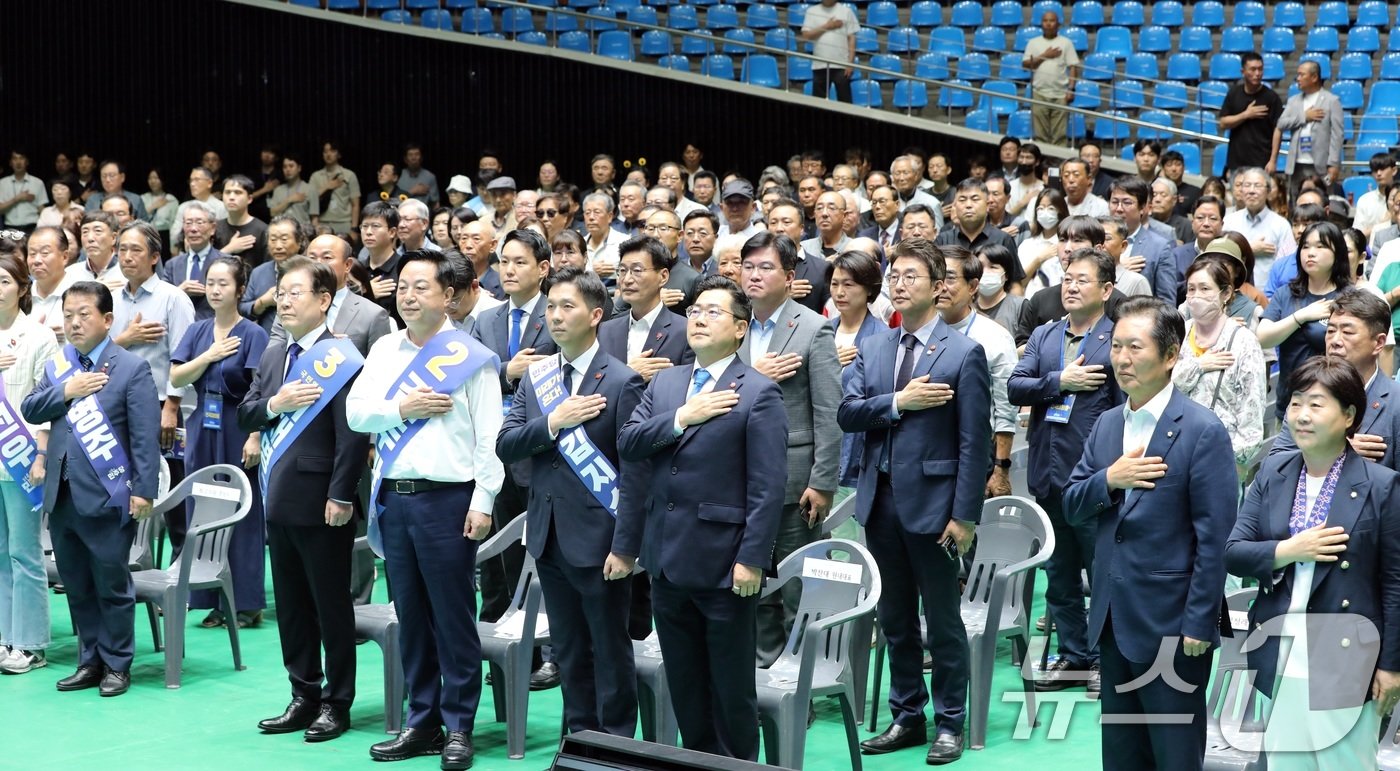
(1269, 234)
(1053, 60)
(1314, 115)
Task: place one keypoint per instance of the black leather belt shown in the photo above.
(413, 486)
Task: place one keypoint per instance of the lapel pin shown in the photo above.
(1353, 493)
(1375, 405)
(597, 376)
(791, 323)
(930, 349)
(660, 335)
(733, 384)
(1169, 434)
(1100, 335)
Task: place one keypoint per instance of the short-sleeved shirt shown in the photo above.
(1251, 141)
(299, 211)
(23, 213)
(1303, 344)
(833, 43)
(337, 206)
(254, 255)
(1051, 77)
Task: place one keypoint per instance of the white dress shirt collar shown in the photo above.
(580, 365)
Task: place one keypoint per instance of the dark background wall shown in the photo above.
(155, 82)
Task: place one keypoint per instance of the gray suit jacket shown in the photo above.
(810, 399)
(1326, 133)
(360, 321)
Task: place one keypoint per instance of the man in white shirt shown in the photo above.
(1370, 208)
(831, 28)
(99, 240)
(47, 247)
(1314, 115)
(1054, 62)
(1079, 193)
(737, 200)
(1269, 234)
(602, 241)
(21, 195)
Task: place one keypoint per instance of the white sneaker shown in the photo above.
(19, 662)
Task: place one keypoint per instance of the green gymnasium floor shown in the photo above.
(210, 723)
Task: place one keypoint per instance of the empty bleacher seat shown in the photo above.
(1349, 94)
(782, 37)
(1098, 66)
(1377, 129)
(478, 21)
(797, 13)
(1002, 105)
(910, 95)
(1076, 130)
(1169, 95)
(656, 43)
(1290, 14)
(1273, 67)
(717, 66)
(951, 98)
(1019, 124)
(866, 93)
(1169, 13)
(436, 18)
(1129, 13)
(1208, 13)
(867, 41)
(926, 13)
(1322, 40)
(1278, 40)
(517, 20)
(1237, 40)
(932, 66)
(675, 62)
(1155, 39)
(966, 13)
(696, 44)
(399, 16)
(1107, 129)
(532, 38)
(1372, 13)
(990, 39)
(882, 14)
(975, 67)
(1212, 93)
(1006, 14)
(1086, 13)
(1249, 13)
(1390, 66)
(722, 17)
(1385, 99)
(1127, 95)
(1333, 13)
(799, 69)
(615, 44)
(1184, 67)
(1156, 118)
(644, 14)
(1225, 67)
(902, 40)
(888, 67)
(1012, 68)
(1025, 35)
(600, 19)
(1354, 66)
(762, 70)
(1143, 66)
(738, 42)
(1363, 40)
(1200, 121)
(981, 119)
(1086, 95)
(1195, 40)
(947, 41)
(1078, 36)
(575, 41)
(682, 17)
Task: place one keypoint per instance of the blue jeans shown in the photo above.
(24, 585)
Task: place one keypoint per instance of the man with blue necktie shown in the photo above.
(186, 271)
(922, 395)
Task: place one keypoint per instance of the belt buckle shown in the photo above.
(404, 486)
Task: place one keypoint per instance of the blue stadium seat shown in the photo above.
(1115, 41)
(422, 5)
(981, 119)
(782, 37)
(1169, 13)
(558, 22)
(622, 7)
(1390, 66)
(738, 42)
(1363, 40)
(950, 98)
(1225, 67)
(1107, 129)
(1156, 118)
(717, 66)
(1019, 124)
(517, 20)
(721, 17)
(600, 19)
(1290, 14)
(867, 41)
(1393, 43)
(991, 39)
(1169, 95)
(1385, 99)
(1086, 13)
(1006, 14)
(1362, 152)
(576, 41)
(1237, 40)
(1190, 155)
(799, 70)
(1377, 129)
(682, 17)
(436, 18)
(947, 41)
(1184, 67)
(1212, 93)
(1279, 40)
(400, 16)
(932, 66)
(926, 13)
(910, 95)
(1324, 64)
(675, 62)
(1354, 67)
(1355, 187)
(1372, 13)
(1078, 36)
(1098, 67)
(1155, 39)
(1200, 121)
(616, 44)
(796, 14)
(656, 43)
(882, 13)
(697, 46)
(1349, 94)
(1322, 40)
(1086, 95)
(1025, 35)
(1348, 126)
(866, 93)
(890, 67)
(478, 21)
(1003, 105)
(966, 13)
(901, 40)
(382, 5)
(1249, 13)
(1195, 40)
(1127, 95)
(1043, 7)
(577, 5)
(1076, 129)
(1013, 69)
(975, 67)
(1333, 13)
(533, 38)
(1129, 13)
(1208, 13)
(1273, 67)
(1142, 66)
(644, 14)
(762, 70)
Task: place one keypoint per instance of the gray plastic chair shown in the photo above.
(143, 547)
(865, 625)
(380, 623)
(508, 644)
(1233, 705)
(658, 715)
(817, 659)
(222, 499)
(1388, 756)
(1257, 460)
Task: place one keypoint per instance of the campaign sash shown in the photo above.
(329, 364)
(17, 448)
(94, 432)
(590, 465)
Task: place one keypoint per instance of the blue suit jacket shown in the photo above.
(1365, 581)
(1035, 382)
(1381, 418)
(132, 406)
(174, 274)
(1159, 559)
(940, 456)
(559, 500)
(853, 444)
(666, 338)
(1160, 270)
(492, 329)
(714, 494)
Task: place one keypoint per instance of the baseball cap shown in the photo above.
(738, 187)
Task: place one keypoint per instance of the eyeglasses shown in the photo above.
(1081, 283)
(711, 314)
(761, 268)
(698, 234)
(634, 271)
(546, 214)
(293, 295)
(659, 228)
(907, 279)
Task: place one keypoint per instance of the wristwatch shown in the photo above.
(1003, 463)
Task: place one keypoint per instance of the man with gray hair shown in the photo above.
(1314, 115)
(201, 190)
(603, 239)
(413, 227)
(904, 178)
(1162, 208)
(1115, 238)
(631, 198)
(1269, 234)
(186, 271)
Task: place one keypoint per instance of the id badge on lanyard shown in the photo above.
(1060, 411)
(212, 407)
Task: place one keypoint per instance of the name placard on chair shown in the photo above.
(831, 570)
(214, 491)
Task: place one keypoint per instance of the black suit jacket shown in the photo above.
(812, 267)
(560, 504)
(666, 339)
(324, 462)
(174, 272)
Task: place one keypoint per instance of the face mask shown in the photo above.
(1048, 218)
(1203, 309)
(1024, 169)
(991, 284)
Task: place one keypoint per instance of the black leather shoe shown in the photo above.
(1094, 684)
(896, 737)
(457, 753)
(546, 677)
(85, 677)
(114, 683)
(1061, 675)
(298, 716)
(410, 743)
(330, 724)
(946, 749)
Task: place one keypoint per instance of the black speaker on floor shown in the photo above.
(594, 751)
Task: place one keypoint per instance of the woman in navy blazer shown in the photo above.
(1320, 530)
(854, 278)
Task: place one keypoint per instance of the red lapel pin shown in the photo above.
(1375, 405)
(733, 385)
(597, 376)
(791, 323)
(930, 349)
(660, 335)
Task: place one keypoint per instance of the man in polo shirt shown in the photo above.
(970, 228)
(737, 200)
(831, 240)
(21, 195)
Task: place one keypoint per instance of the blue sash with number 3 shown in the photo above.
(329, 364)
(591, 466)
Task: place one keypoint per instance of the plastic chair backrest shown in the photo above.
(1190, 154)
(1249, 13)
(1169, 13)
(1208, 13)
(1006, 13)
(882, 14)
(1195, 39)
(1014, 535)
(831, 587)
(762, 70)
(1129, 13)
(1155, 39)
(1087, 13)
(682, 17)
(947, 41)
(927, 13)
(990, 39)
(575, 40)
(1170, 95)
(1237, 40)
(1290, 14)
(222, 497)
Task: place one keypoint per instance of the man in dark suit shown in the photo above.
(922, 395)
(309, 496)
(809, 285)
(571, 530)
(1356, 331)
(1146, 252)
(516, 332)
(795, 348)
(186, 271)
(1064, 377)
(93, 525)
(1157, 478)
(884, 212)
(1046, 306)
(707, 545)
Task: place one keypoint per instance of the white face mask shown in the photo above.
(1048, 218)
(1203, 309)
(991, 284)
